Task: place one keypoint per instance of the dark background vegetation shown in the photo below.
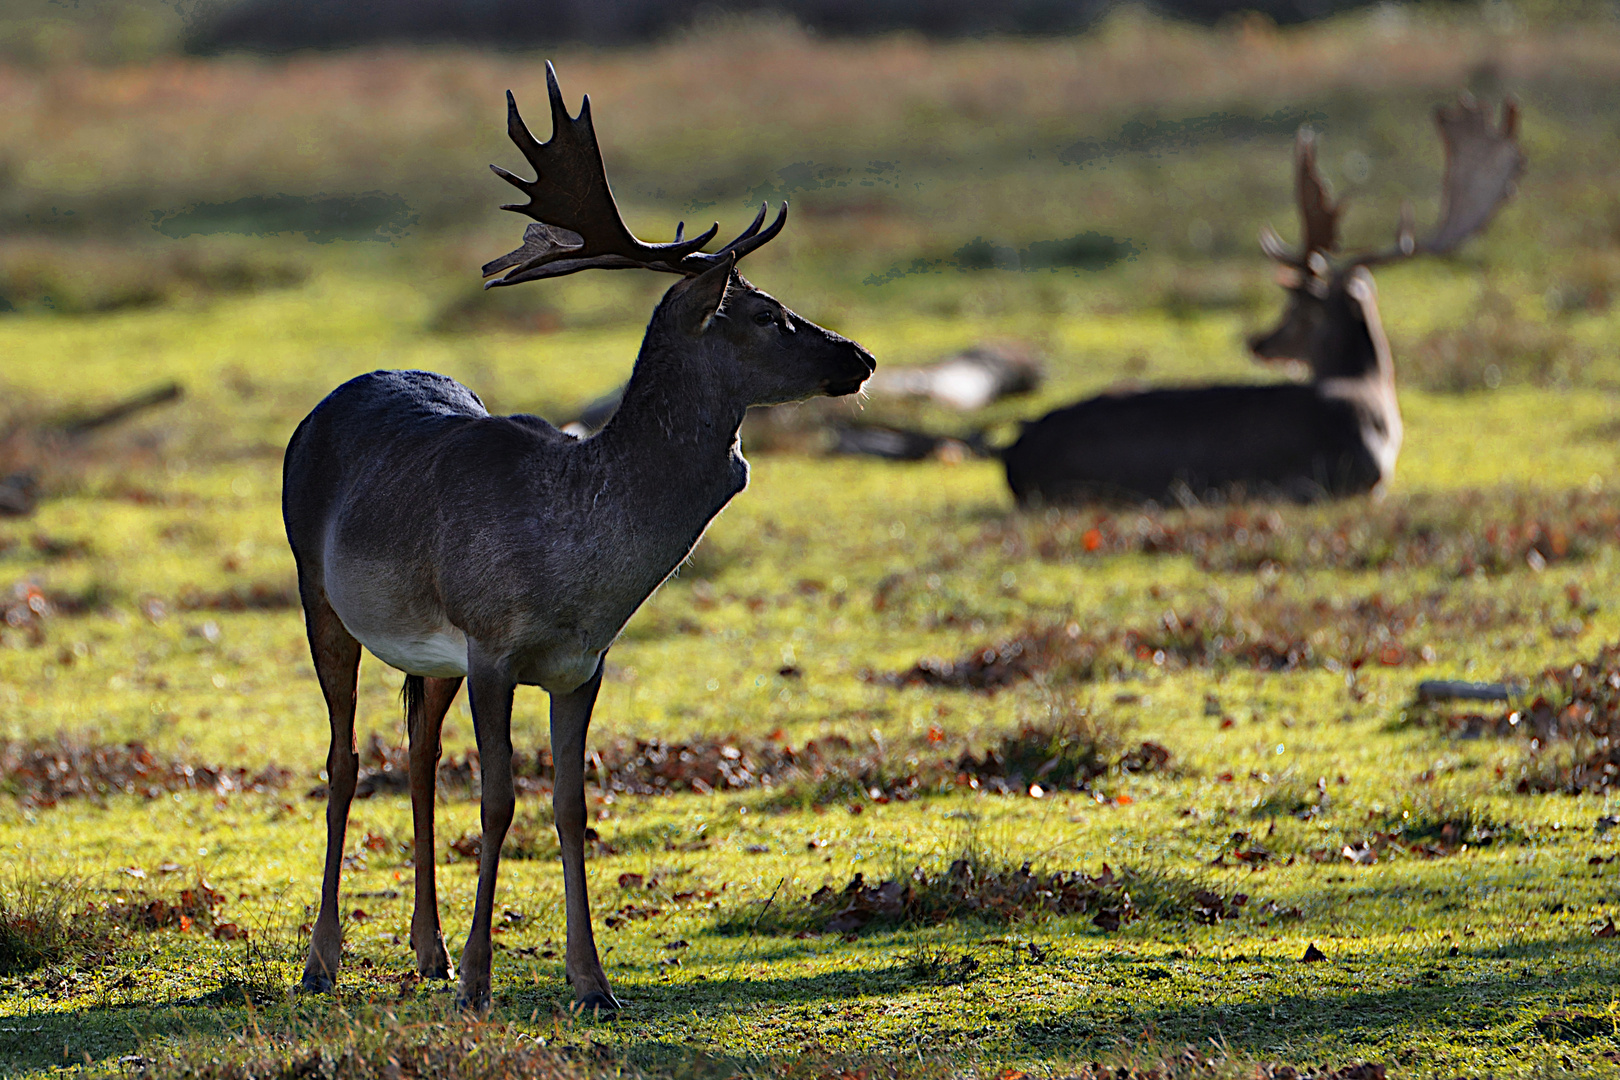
(279, 25)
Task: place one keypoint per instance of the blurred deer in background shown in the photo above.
(458, 545)
(1337, 435)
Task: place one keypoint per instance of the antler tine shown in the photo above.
(1276, 250)
(1406, 244)
(753, 226)
(579, 226)
(1483, 164)
(1318, 213)
(751, 238)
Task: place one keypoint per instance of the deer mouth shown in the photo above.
(844, 387)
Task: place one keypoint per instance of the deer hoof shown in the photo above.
(601, 1002)
(434, 965)
(475, 1000)
(316, 982)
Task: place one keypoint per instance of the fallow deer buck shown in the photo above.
(458, 545)
(1337, 435)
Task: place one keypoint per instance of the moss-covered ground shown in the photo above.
(1321, 792)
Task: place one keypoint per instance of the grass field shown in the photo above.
(1222, 699)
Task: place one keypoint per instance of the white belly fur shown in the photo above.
(442, 655)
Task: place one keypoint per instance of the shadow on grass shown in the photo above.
(1263, 1012)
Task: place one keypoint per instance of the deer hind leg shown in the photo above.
(337, 664)
(570, 719)
(426, 702)
(489, 687)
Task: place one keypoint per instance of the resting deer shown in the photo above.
(458, 545)
(1337, 435)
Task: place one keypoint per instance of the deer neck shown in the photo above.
(1369, 384)
(672, 446)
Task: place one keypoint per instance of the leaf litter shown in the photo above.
(1068, 754)
(1571, 726)
(43, 773)
(973, 887)
(1495, 532)
(1268, 633)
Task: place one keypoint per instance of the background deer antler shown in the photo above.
(579, 226)
(1483, 163)
(1483, 166)
(1318, 213)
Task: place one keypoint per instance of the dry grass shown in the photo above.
(1497, 345)
(383, 1039)
(36, 923)
(92, 276)
(121, 142)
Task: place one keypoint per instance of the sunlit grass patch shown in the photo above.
(37, 923)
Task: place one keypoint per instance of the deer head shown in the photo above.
(714, 324)
(1331, 318)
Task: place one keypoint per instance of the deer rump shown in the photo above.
(1210, 443)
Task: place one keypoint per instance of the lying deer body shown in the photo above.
(456, 545)
(1338, 435)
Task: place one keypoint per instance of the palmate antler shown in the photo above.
(578, 225)
(1483, 166)
(1483, 163)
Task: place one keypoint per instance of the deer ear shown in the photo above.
(703, 295)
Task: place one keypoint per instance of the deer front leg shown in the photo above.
(425, 711)
(489, 687)
(570, 718)
(337, 663)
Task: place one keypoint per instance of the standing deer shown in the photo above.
(1337, 435)
(458, 545)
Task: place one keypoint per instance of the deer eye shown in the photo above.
(764, 318)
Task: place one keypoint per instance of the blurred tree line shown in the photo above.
(278, 25)
(121, 31)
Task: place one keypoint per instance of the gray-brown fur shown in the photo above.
(455, 544)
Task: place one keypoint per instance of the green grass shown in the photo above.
(1474, 955)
